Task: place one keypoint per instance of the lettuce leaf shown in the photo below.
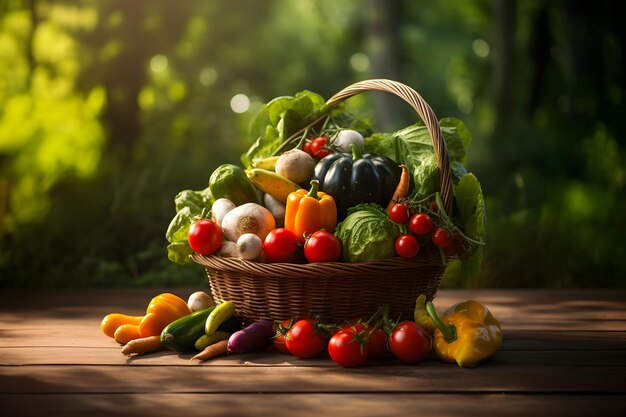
(278, 120)
(413, 147)
(284, 116)
(189, 205)
(472, 219)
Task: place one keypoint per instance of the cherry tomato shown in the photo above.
(441, 239)
(399, 213)
(348, 348)
(377, 345)
(280, 245)
(421, 224)
(205, 237)
(409, 342)
(280, 331)
(306, 147)
(318, 147)
(455, 248)
(322, 246)
(305, 339)
(354, 324)
(407, 246)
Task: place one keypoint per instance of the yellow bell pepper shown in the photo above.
(162, 310)
(468, 334)
(310, 211)
(421, 317)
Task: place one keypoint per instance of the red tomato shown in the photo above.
(399, 213)
(348, 348)
(377, 345)
(305, 339)
(455, 248)
(421, 224)
(280, 332)
(306, 147)
(322, 246)
(280, 245)
(318, 147)
(441, 239)
(409, 342)
(205, 237)
(407, 246)
(354, 324)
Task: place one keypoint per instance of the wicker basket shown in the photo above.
(336, 291)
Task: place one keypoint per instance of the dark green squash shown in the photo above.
(357, 178)
(181, 334)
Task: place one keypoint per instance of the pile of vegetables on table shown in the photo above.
(467, 334)
(318, 185)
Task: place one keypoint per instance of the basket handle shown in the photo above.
(425, 113)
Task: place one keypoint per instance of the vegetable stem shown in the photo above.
(296, 135)
(448, 331)
(356, 152)
(315, 185)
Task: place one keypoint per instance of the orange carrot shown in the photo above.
(213, 351)
(402, 189)
(142, 345)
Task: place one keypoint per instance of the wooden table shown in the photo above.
(564, 353)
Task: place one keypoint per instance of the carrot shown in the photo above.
(142, 345)
(213, 351)
(402, 189)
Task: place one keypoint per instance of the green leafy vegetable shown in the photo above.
(278, 120)
(367, 234)
(189, 205)
(274, 127)
(471, 205)
(413, 147)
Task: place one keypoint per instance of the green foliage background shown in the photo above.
(109, 108)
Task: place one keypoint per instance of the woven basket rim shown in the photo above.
(303, 270)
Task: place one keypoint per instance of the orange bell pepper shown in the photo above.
(162, 310)
(114, 320)
(310, 211)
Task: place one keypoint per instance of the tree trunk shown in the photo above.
(380, 41)
(125, 79)
(541, 43)
(504, 66)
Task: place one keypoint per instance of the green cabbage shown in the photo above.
(367, 234)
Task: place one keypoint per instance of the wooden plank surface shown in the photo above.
(315, 404)
(564, 353)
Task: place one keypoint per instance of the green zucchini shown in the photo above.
(180, 335)
(231, 182)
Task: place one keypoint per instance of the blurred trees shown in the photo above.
(109, 108)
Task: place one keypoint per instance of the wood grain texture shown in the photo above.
(564, 353)
(314, 405)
